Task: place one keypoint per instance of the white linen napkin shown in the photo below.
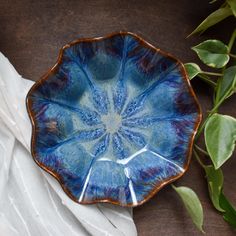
(32, 203)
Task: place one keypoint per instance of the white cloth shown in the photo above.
(32, 203)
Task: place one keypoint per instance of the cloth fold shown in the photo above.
(31, 201)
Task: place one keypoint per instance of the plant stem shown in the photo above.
(230, 45)
(232, 55)
(212, 73)
(231, 41)
(198, 159)
(206, 79)
(201, 150)
(213, 111)
(173, 186)
(209, 116)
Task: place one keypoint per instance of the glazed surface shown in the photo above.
(114, 120)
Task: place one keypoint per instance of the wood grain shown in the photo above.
(32, 32)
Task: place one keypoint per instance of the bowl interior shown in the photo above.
(114, 120)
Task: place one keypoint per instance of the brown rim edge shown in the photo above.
(51, 70)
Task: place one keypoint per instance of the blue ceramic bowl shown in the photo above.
(114, 120)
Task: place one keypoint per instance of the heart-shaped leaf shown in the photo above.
(230, 213)
(213, 53)
(227, 84)
(232, 4)
(192, 204)
(192, 69)
(220, 136)
(215, 181)
(213, 19)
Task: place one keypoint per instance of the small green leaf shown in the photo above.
(213, 53)
(192, 204)
(215, 181)
(220, 136)
(230, 213)
(232, 4)
(213, 19)
(192, 69)
(227, 84)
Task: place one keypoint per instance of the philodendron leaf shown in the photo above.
(230, 213)
(220, 137)
(213, 53)
(232, 4)
(215, 181)
(192, 204)
(192, 69)
(227, 84)
(213, 19)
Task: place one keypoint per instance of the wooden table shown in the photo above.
(32, 32)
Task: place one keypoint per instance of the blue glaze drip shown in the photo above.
(119, 149)
(101, 146)
(98, 96)
(120, 92)
(136, 105)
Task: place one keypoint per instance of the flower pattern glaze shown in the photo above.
(113, 120)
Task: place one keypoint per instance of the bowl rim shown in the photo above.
(144, 43)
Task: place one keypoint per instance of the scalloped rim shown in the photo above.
(55, 175)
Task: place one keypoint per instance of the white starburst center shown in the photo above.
(112, 122)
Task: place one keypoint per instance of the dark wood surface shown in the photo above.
(32, 32)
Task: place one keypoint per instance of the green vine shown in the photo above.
(219, 130)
